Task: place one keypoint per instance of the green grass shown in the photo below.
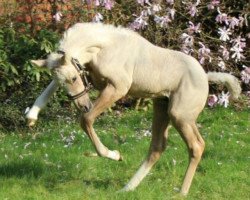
(41, 164)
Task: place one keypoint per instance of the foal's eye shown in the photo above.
(74, 79)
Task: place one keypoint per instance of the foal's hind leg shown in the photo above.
(188, 130)
(158, 142)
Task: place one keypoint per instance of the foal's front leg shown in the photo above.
(40, 103)
(107, 97)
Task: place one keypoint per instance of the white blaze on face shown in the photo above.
(69, 77)
(65, 74)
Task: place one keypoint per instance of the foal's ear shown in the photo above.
(39, 63)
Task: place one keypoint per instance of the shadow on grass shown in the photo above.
(21, 169)
(36, 170)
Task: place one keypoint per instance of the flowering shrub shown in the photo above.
(214, 31)
(15, 52)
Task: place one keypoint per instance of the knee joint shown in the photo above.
(197, 150)
(86, 120)
(154, 157)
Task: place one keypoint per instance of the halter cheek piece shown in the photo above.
(83, 73)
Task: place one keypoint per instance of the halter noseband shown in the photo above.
(83, 73)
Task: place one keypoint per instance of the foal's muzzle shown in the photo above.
(86, 108)
(83, 106)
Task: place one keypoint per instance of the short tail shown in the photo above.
(230, 81)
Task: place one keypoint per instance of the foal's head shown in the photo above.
(67, 74)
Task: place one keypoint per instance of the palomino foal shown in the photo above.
(120, 62)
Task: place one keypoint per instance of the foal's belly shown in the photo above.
(147, 92)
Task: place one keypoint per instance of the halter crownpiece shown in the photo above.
(80, 68)
(83, 73)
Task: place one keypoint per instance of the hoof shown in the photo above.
(114, 155)
(120, 156)
(125, 189)
(31, 122)
(184, 194)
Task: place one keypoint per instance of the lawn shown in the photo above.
(50, 162)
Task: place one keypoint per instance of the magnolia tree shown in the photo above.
(213, 31)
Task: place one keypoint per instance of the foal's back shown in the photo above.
(160, 72)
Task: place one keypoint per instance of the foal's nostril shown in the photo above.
(86, 108)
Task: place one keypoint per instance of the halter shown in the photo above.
(83, 73)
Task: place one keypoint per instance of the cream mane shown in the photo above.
(84, 35)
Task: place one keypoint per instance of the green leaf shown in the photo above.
(38, 76)
(13, 69)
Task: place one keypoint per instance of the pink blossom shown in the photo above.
(97, 18)
(142, 2)
(237, 53)
(90, 2)
(97, 3)
(224, 99)
(193, 28)
(239, 42)
(171, 2)
(212, 100)
(140, 22)
(171, 12)
(162, 21)
(222, 64)
(156, 7)
(245, 75)
(203, 54)
(153, 9)
(224, 34)
(233, 22)
(188, 40)
(108, 4)
(58, 16)
(187, 50)
(225, 52)
(192, 9)
(241, 21)
(213, 4)
(221, 17)
(187, 43)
